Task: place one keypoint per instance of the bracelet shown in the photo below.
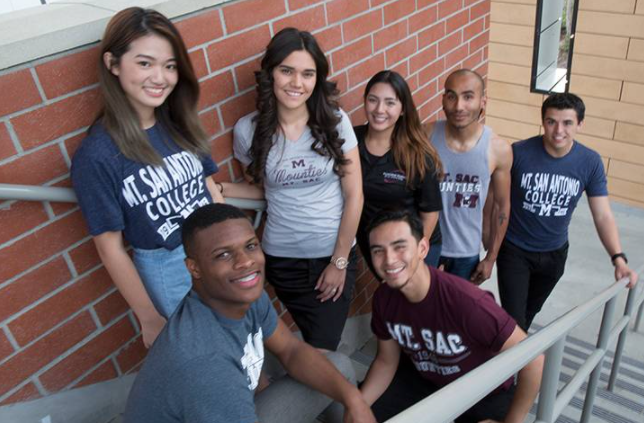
(616, 256)
(221, 187)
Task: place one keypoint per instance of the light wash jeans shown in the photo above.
(165, 277)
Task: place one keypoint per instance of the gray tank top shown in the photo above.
(463, 190)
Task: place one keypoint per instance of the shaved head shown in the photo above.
(465, 72)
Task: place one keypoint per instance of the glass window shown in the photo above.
(553, 45)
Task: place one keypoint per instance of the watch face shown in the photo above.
(341, 263)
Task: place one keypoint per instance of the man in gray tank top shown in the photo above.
(474, 159)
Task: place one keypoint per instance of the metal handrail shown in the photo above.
(66, 195)
(454, 399)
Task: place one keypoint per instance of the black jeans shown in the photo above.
(408, 387)
(527, 278)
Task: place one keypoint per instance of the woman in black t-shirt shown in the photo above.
(400, 167)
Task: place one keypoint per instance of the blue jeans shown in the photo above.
(434, 255)
(460, 266)
(165, 277)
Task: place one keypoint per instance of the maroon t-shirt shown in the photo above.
(457, 327)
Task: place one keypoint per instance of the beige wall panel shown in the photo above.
(510, 129)
(628, 171)
(633, 93)
(614, 149)
(621, 6)
(601, 45)
(513, 111)
(610, 24)
(625, 189)
(514, 55)
(596, 87)
(605, 163)
(615, 110)
(602, 67)
(534, 2)
(517, 14)
(626, 201)
(629, 133)
(511, 34)
(640, 7)
(514, 93)
(636, 49)
(599, 127)
(509, 73)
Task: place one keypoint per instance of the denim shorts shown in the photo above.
(165, 277)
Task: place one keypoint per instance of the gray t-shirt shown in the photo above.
(203, 367)
(303, 193)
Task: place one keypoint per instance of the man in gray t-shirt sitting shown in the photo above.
(205, 364)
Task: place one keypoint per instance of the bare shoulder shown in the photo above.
(500, 151)
(428, 127)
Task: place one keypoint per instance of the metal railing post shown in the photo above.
(602, 342)
(619, 349)
(550, 382)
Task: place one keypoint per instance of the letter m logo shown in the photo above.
(297, 163)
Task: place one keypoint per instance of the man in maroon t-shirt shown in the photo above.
(444, 325)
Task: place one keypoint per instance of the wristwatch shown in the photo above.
(340, 263)
(616, 256)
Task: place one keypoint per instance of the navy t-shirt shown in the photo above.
(148, 203)
(545, 191)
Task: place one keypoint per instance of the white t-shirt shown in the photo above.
(303, 193)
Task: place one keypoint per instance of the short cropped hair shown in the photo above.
(561, 101)
(205, 217)
(398, 215)
(475, 74)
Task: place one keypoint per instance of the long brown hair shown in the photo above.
(177, 114)
(412, 151)
(322, 106)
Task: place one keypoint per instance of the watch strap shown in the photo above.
(616, 256)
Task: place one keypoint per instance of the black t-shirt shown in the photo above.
(385, 186)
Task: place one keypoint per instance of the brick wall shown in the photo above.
(62, 322)
(607, 72)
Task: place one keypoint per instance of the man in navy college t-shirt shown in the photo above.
(549, 174)
(433, 327)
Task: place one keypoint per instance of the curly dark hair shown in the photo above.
(322, 105)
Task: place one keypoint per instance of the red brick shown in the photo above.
(375, 3)
(390, 35)
(19, 217)
(216, 89)
(72, 143)
(457, 22)
(33, 286)
(398, 10)
(479, 10)
(479, 42)
(338, 10)
(472, 30)
(362, 25)
(365, 70)
(56, 309)
(430, 108)
(245, 14)
(57, 119)
(102, 373)
(86, 357)
(200, 29)
(426, 93)
(110, 307)
(131, 355)
(423, 19)
(5, 346)
(309, 19)
(449, 7)
(431, 72)
(85, 257)
(60, 208)
(238, 47)
(351, 53)
(353, 99)
(422, 58)
(7, 148)
(26, 393)
(412, 81)
(69, 73)
(402, 69)
(329, 38)
(424, 3)
(237, 170)
(431, 35)
(210, 122)
(234, 109)
(474, 60)
(24, 364)
(19, 91)
(298, 4)
(358, 301)
(358, 117)
(222, 147)
(199, 65)
(245, 74)
(341, 81)
(35, 168)
(457, 56)
(449, 43)
(401, 51)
